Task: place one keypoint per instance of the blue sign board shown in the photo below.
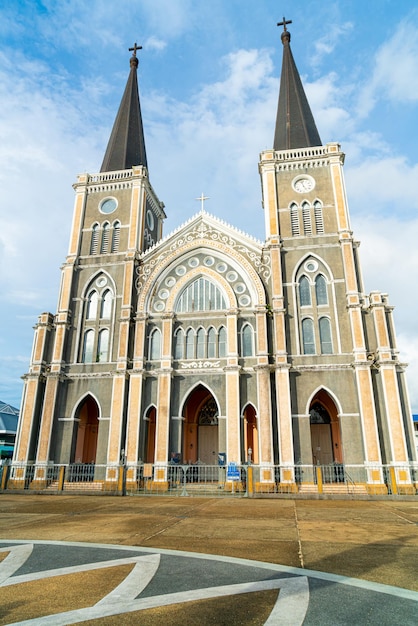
(233, 472)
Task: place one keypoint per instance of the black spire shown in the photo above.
(295, 125)
(126, 146)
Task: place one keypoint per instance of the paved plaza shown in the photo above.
(158, 560)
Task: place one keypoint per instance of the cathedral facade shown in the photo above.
(209, 346)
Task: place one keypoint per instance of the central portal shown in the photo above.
(200, 437)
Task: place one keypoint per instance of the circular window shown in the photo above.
(164, 293)
(159, 306)
(221, 267)
(311, 266)
(100, 282)
(194, 262)
(231, 276)
(239, 288)
(244, 300)
(180, 270)
(170, 281)
(208, 261)
(108, 205)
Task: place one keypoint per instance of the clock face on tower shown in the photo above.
(302, 184)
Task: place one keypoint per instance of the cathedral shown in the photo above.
(207, 346)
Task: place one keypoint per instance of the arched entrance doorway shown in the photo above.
(150, 426)
(325, 430)
(87, 431)
(200, 435)
(249, 434)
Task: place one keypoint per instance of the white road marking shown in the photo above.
(18, 555)
(285, 612)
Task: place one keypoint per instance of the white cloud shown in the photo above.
(326, 44)
(395, 68)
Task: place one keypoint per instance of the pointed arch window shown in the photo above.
(94, 244)
(115, 237)
(155, 345)
(305, 292)
(105, 238)
(103, 346)
(106, 305)
(211, 343)
(247, 341)
(178, 348)
(325, 335)
(190, 337)
(294, 219)
(92, 304)
(308, 336)
(321, 292)
(200, 343)
(222, 342)
(88, 346)
(306, 218)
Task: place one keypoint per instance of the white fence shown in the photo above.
(212, 480)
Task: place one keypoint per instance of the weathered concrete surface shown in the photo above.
(374, 540)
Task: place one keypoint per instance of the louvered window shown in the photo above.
(319, 221)
(115, 237)
(105, 238)
(294, 219)
(94, 239)
(306, 217)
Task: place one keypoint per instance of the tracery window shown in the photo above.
(95, 332)
(200, 295)
(314, 297)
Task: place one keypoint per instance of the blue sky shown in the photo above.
(209, 80)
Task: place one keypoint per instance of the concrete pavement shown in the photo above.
(374, 541)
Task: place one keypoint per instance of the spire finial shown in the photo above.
(133, 60)
(285, 34)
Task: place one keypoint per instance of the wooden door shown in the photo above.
(208, 444)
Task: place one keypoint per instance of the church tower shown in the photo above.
(340, 388)
(73, 408)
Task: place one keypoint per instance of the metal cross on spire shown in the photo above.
(284, 23)
(202, 199)
(134, 49)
